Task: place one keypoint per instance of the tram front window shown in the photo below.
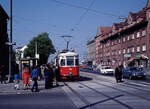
(70, 62)
(77, 62)
(63, 62)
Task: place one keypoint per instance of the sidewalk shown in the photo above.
(54, 98)
(9, 88)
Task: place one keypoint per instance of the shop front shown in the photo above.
(139, 60)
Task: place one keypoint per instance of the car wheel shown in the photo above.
(143, 77)
(130, 77)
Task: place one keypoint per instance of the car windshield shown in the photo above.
(107, 67)
(134, 68)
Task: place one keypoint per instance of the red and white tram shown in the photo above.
(68, 62)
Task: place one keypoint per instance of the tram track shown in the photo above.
(125, 85)
(109, 98)
(137, 95)
(88, 104)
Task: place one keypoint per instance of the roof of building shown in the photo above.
(104, 30)
(90, 42)
(132, 20)
(19, 47)
(3, 14)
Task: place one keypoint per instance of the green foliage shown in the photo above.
(44, 48)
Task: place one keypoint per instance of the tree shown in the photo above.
(44, 48)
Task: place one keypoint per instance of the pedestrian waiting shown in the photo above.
(118, 74)
(34, 76)
(48, 74)
(16, 80)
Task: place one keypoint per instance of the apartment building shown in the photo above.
(127, 43)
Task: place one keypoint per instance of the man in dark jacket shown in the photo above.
(48, 74)
(118, 74)
(34, 76)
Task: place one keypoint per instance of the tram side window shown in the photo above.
(70, 62)
(63, 62)
(76, 61)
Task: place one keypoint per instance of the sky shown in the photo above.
(77, 18)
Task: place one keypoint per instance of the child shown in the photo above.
(16, 78)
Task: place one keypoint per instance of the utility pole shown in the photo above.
(36, 51)
(10, 41)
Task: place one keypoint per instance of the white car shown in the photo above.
(106, 70)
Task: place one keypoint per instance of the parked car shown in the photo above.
(82, 66)
(133, 72)
(89, 67)
(106, 70)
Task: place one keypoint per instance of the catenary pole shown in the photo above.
(10, 40)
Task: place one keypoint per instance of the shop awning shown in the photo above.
(141, 56)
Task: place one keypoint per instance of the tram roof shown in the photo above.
(68, 54)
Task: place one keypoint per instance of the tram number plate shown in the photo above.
(70, 73)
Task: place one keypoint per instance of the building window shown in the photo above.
(143, 32)
(116, 42)
(138, 34)
(119, 51)
(133, 50)
(133, 36)
(124, 39)
(128, 38)
(119, 40)
(148, 14)
(144, 48)
(124, 51)
(128, 51)
(138, 49)
(116, 52)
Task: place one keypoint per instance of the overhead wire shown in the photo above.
(82, 16)
(92, 10)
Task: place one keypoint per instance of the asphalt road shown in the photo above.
(54, 99)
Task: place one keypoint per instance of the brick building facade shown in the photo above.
(100, 32)
(127, 43)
